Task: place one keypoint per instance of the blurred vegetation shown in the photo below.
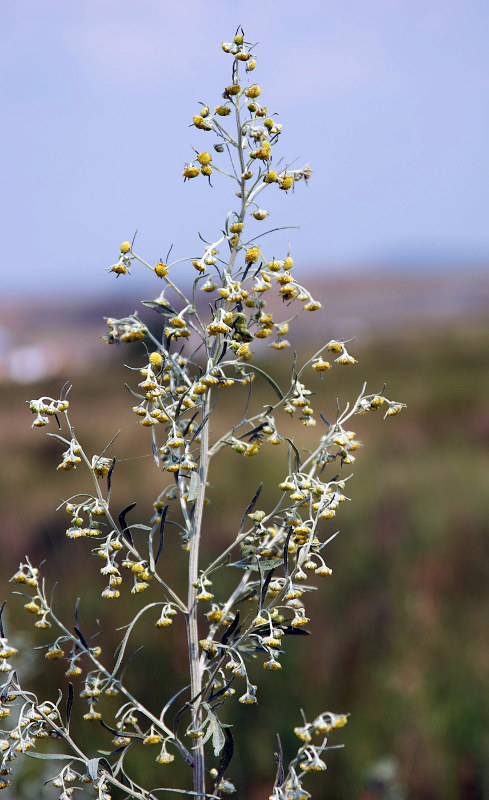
(399, 632)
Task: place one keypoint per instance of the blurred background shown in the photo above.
(388, 102)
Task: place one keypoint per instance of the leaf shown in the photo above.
(162, 530)
(194, 487)
(109, 479)
(297, 464)
(226, 755)
(122, 522)
(270, 380)
(265, 563)
(265, 586)
(93, 767)
(81, 637)
(218, 737)
(251, 506)
(230, 630)
(161, 308)
(53, 756)
(69, 704)
(286, 552)
(204, 421)
(279, 758)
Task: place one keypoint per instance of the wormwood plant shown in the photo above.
(185, 376)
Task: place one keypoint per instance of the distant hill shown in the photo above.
(53, 337)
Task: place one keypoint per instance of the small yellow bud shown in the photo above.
(250, 66)
(152, 739)
(206, 170)
(204, 158)
(286, 182)
(125, 247)
(236, 227)
(229, 91)
(200, 123)
(271, 177)
(321, 366)
(119, 269)
(223, 111)
(190, 172)
(252, 255)
(253, 91)
(156, 359)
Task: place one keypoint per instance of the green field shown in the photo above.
(400, 631)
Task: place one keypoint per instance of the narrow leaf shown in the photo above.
(93, 767)
(279, 758)
(226, 755)
(81, 637)
(231, 629)
(270, 380)
(223, 352)
(265, 586)
(69, 704)
(109, 479)
(250, 507)
(54, 756)
(286, 552)
(122, 522)
(161, 308)
(162, 531)
(297, 465)
(204, 421)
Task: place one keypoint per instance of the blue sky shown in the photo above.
(387, 99)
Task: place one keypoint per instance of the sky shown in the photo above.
(386, 99)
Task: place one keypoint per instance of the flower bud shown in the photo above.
(252, 255)
(200, 123)
(161, 269)
(204, 158)
(190, 172)
(253, 91)
(286, 182)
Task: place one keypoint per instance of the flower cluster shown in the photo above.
(185, 367)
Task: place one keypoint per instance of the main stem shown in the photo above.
(192, 617)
